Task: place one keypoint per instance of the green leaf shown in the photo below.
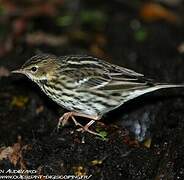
(140, 35)
(102, 134)
(92, 17)
(65, 20)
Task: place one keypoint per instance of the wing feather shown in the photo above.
(92, 73)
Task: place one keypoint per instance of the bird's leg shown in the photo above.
(75, 122)
(85, 116)
(64, 119)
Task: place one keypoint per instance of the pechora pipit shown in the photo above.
(86, 86)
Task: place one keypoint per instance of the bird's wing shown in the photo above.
(92, 73)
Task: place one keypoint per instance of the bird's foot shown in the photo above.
(63, 120)
(86, 128)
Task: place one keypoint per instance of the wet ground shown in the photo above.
(144, 137)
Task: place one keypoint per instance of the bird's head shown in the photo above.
(39, 67)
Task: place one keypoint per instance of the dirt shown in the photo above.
(144, 137)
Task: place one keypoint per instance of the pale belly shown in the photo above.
(93, 103)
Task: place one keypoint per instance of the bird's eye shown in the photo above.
(34, 69)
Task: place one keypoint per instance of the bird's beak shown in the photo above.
(18, 71)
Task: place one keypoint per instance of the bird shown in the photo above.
(86, 86)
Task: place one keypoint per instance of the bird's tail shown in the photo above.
(158, 86)
(165, 85)
(153, 88)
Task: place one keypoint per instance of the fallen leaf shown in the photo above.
(14, 153)
(131, 142)
(4, 72)
(19, 26)
(154, 12)
(98, 45)
(19, 101)
(79, 171)
(147, 143)
(5, 151)
(180, 48)
(97, 51)
(39, 109)
(96, 162)
(38, 38)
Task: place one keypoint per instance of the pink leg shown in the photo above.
(64, 119)
(86, 128)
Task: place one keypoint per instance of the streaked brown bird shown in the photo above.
(86, 86)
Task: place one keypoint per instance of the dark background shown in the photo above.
(144, 138)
